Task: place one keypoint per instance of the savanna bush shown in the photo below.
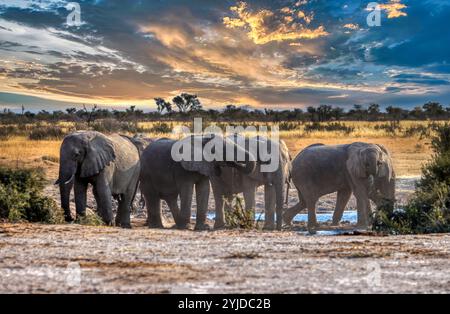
(41, 133)
(428, 211)
(22, 199)
(329, 127)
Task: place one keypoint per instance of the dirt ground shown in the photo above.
(72, 258)
(38, 258)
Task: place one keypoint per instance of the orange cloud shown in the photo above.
(265, 26)
(394, 9)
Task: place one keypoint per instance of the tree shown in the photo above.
(337, 113)
(373, 111)
(162, 105)
(433, 109)
(324, 112)
(312, 113)
(187, 103)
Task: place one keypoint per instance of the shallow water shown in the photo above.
(349, 216)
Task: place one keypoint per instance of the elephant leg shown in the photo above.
(65, 190)
(249, 199)
(291, 212)
(269, 202)
(172, 202)
(220, 215)
(80, 190)
(363, 206)
(312, 218)
(153, 204)
(103, 197)
(343, 197)
(123, 211)
(202, 197)
(186, 203)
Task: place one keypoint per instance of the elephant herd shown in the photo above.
(117, 166)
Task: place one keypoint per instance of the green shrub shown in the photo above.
(46, 133)
(21, 197)
(428, 211)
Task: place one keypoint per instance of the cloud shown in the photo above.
(264, 26)
(394, 9)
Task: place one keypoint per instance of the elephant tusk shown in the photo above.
(70, 180)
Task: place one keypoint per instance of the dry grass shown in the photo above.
(409, 153)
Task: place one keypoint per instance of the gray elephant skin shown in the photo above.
(110, 163)
(163, 178)
(363, 169)
(232, 182)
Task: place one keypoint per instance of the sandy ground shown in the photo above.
(71, 258)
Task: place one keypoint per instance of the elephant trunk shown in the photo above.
(67, 171)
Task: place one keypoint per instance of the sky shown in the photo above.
(278, 54)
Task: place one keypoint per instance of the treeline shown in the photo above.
(185, 106)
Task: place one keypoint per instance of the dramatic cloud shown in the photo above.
(264, 26)
(266, 53)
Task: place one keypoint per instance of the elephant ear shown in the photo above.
(386, 169)
(355, 161)
(99, 154)
(203, 167)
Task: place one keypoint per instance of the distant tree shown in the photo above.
(417, 113)
(433, 110)
(312, 113)
(324, 113)
(373, 111)
(337, 113)
(396, 114)
(187, 103)
(162, 105)
(71, 111)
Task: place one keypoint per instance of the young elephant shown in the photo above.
(361, 168)
(110, 163)
(163, 177)
(232, 182)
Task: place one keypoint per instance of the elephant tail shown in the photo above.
(288, 186)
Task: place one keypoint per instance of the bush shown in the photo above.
(7, 132)
(331, 127)
(21, 197)
(429, 209)
(161, 127)
(238, 217)
(288, 126)
(46, 133)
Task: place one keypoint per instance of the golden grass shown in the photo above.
(409, 152)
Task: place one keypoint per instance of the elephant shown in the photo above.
(366, 170)
(167, 178)
(232, 182)
(110, 163)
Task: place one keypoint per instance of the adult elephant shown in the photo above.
(363, 169)
(231, 182)
(164, 177)
(110, 163)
